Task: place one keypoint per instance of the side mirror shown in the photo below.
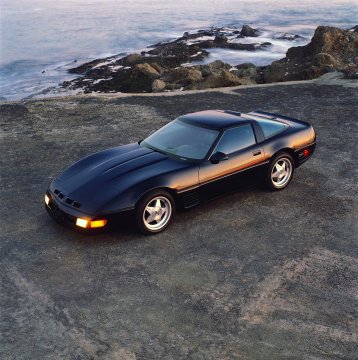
(218, 157)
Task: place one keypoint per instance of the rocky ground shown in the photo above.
(253, 275)
(175, 65)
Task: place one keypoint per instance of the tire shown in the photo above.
(280, 171)
(151, 207)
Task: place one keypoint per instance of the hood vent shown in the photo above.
(67, 200)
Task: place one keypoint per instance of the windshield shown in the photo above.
(182, 139)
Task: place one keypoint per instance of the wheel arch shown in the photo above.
(171, 191)
(288, 151)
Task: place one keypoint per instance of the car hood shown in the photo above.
(97, 178)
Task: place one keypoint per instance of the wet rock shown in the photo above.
(288, 36)
(249, 31)
(207, 44)
(220, 39)
(200, 33)
(82, 69)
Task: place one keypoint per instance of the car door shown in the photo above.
(243, 155)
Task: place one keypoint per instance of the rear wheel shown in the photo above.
(154, 212)
(280, 171)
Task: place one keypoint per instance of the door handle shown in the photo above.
(255, 153)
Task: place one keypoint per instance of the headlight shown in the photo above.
(47, 199)
(81, 222)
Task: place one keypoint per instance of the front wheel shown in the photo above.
(280, 171)
(154, 212)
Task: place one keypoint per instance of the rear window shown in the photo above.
(271, 128)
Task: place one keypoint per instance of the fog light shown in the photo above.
(81, 222)
(98, 223)
(90, 224)
(47, 199)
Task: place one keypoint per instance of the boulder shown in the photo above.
(249, 31)
(141, 78)
(132, 59)
(220, 39)
(214, 67)
(247, 71)
(158, 67)
(183, 76)
(158, 85)
(222, 79)
(288, 36)
(329, 49)
(341, 44)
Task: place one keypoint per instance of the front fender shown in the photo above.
(129, 195)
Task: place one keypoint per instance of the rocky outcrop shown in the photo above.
(288, 36)
(249, 31)
(164, 66)
(331, 49)
(175, 65)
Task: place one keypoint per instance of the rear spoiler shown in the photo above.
(273, 116)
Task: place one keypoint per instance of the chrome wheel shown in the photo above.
(281, 172)
(157, 213)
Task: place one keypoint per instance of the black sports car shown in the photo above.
(193, 158)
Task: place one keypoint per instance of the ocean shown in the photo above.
(42, 39)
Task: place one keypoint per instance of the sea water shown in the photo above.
(42, 39)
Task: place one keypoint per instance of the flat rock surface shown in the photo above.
(253, 275)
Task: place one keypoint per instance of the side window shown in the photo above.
(236, 139)
(270, 128)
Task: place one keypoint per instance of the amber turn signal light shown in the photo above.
(98, 223)
(90, 224)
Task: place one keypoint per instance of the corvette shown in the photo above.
(194, 158)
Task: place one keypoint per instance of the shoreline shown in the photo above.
(182, 64)
(329, 79)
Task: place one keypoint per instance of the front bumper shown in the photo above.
(68, 217)
(54, 210)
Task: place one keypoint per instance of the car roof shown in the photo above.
(215, 119)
